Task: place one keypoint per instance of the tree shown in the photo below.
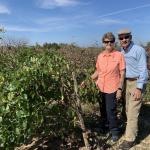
(14, 42)
(1, 30)
(148, 45)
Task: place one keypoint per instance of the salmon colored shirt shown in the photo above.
(108, 66)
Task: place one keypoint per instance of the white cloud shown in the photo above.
(124, 10)
(49, 20)
(109, 21)
(20, 29)
(63, 20)
(4, 9)
(50, 4)
(47, 24)
(30, 29)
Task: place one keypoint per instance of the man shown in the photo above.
(136, 77)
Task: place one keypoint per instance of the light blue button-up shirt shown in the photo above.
(136, 64)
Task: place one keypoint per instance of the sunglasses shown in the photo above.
(124, 37)
(106, 42)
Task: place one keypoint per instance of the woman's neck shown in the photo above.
(109, 51)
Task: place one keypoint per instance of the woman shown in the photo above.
(109, 77)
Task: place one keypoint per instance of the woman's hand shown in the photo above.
(83, 84)
(94, 76)
(119, 94)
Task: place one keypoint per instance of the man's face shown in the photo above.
(125, 40)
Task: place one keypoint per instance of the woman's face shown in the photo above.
(108, 44)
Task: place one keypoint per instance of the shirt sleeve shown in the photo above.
(97, 64)
(122, 63)
(142, 68)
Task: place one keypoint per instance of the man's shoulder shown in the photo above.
(138, 48)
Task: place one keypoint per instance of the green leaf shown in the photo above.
(1, 119)
(10, 96)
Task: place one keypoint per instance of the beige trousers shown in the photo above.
(132, 111)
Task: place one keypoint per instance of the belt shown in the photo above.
(131, 79)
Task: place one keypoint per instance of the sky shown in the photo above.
(74, 21)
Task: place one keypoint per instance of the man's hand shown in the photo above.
(137, 94)
(118, 94)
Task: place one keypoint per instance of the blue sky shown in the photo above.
(74, 21)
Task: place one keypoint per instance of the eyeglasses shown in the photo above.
(124, 37)
(106, 42)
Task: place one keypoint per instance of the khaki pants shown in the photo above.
(132, 111)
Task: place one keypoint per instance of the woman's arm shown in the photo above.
(119, 91)
(94, 77)
(122, 76)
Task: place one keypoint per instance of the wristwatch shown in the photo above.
(120, 89)
(139, 89)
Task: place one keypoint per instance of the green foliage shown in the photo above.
(32, 88)
(36, 90)
(147, 93)
(51, 46)
(90, 93)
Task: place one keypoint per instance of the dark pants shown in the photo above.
(108, 111)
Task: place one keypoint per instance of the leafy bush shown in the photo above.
(37, 93)
(32, 90)
(146, 97)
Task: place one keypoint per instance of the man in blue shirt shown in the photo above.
(136, 78)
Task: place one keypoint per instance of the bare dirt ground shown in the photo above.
(75, 142)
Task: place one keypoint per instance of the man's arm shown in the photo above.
(143, 74)
(142, 68)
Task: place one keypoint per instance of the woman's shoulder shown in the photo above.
(101, 54)
(118, 53)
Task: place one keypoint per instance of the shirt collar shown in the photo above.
(128, 49)
(108, 54)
